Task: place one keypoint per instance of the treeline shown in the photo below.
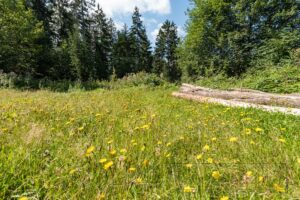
(231, 36)
(74, 40)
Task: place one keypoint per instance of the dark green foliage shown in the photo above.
(140, 49)
(122, 60)
(19, 31)
(229, 36)
(165, 57)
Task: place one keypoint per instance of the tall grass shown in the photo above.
(141, 143)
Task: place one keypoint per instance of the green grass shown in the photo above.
(51, 144)
(285, 79)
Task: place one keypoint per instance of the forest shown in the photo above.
(74, 40)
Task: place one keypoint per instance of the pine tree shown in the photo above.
(165, 56)
(141, 49)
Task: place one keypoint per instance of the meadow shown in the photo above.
(142, 143)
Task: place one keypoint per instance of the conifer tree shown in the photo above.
(141, 49)
(165, 57)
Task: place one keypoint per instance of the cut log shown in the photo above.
(233, 103)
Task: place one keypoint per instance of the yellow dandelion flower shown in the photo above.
(138, 180)
(189, 165)
(145, 162)
(248, 131)
(123, 151)
(298, 160)
(260, 178)
(233, 139)
(72, 171)
(188, 189)
(249, 173)
(90, 150)
(108, 165)
(23, 198)
(214, 139)
(143, 148)
(159, 142)
(101, 196)
(206, 148)
(258, 129)
(210, 160)
(199, 157)
(102, 160)
(216, 175)
(281, 140)
(252, 142)
(132, 169)
(168, 155)
(113, 152)
(278, 188)
(110, 141)
(224, 198)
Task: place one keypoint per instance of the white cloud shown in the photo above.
(181, 31)
(155, 32)
(116, 7)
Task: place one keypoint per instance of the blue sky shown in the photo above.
(154, 13)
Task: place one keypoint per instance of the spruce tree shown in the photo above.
(122, 61)
(165, 56)
(141, 49)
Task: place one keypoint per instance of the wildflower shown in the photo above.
(122, 158)
(108, 165)
(113, 152)
(252, 142)
(260, 178)
(143, 148)
(123, 151)
(216, 175)
(23, 198)
(168, 155)
(101, 196)
(199, 157)
(72, 171)
(159, 142)
(110, 141)
(138, 180)
(169, 144)
(188, 189)
(206, 148)
(281, 140)
(181, 138)
(102, 160)
(145, 162)
(132, 169)
(214, 139)
(248, 131)
(90, 150)
(249, 173)
(80, 128)
(298, 160)
(224, 198)
(233, 139)
(210, 160)
(145, 127)
(189, 165)
(278, 188)
(283, 129)
(258, 130)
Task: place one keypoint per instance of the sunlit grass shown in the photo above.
(141, 143)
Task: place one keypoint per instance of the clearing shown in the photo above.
(142, 143)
